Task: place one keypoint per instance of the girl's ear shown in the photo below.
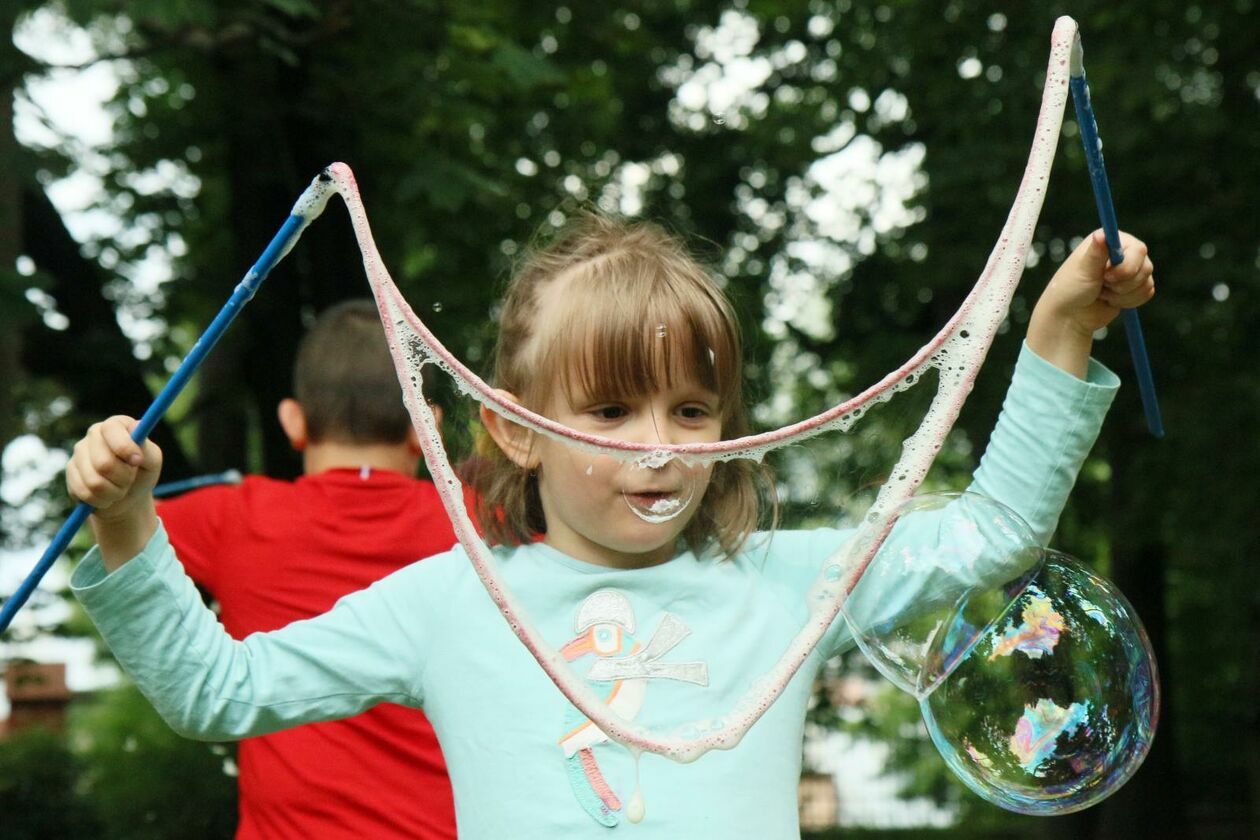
(515, 440)
(293, 421)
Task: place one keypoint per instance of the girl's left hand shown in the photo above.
(1087, 292)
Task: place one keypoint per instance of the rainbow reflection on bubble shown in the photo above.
(1039, 729)
(1038, 634)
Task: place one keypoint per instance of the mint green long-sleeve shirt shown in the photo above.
(523, 762)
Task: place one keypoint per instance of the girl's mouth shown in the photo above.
(659, 503)
(659, 498)
(653, 495)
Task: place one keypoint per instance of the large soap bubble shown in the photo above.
(1055, 706)
(1034, 675)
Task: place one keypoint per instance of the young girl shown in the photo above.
(613, 330)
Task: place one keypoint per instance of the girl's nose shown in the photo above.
(656, 428)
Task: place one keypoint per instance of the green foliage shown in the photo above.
(120, 773)
(147, 782)
(38, 796)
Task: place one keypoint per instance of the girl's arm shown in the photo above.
(203, 682)
(1049, 421)
(209, 686)
(1048, 424)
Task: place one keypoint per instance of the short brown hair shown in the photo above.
(627, 285)
(344, 378)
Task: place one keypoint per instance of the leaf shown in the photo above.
(472, 38)
(525, 69)
(447, 183)
(295, 8)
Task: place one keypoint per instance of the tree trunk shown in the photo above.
(91, 359)
(10, 247)
(1251, 742)
(271, 156)
(1151, 804)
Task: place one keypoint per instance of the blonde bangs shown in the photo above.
(630, 325)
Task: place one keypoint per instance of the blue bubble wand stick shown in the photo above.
(307, 208)
(174, 488)
(1111, 228)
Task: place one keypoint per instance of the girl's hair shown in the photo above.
(635, 312)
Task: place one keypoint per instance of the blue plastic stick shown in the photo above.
(1111, 228)
(275, 251)
(172, 488)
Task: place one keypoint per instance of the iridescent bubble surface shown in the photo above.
(947, 569)
(1054, 707)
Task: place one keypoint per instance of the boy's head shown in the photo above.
(344, 381)
(606, 310)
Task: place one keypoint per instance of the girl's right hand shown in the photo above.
(116, 476)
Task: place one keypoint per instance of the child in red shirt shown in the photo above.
(272, 552)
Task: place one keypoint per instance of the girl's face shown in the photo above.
(587, 499)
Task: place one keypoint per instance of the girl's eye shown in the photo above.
(694, 412)
(609, 412)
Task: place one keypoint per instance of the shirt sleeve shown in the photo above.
(1050, 420)
(1049, 423)
(209, 686)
